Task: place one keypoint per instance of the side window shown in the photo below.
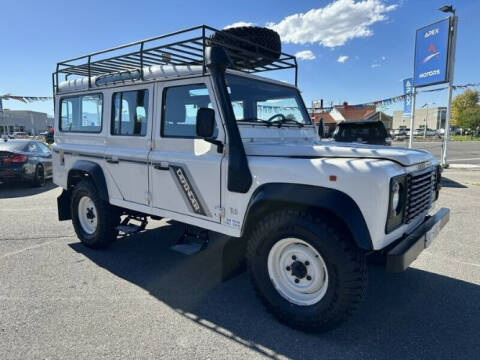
(180, 106)
(43, 148)
(32, 148)
(81, 113)
(130, 113)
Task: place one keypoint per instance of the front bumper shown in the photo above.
(407, 249)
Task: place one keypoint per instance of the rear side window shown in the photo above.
(180, 106)
(130, 113)
(81, 113)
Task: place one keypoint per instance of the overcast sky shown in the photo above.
(355, 51)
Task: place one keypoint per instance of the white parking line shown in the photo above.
(477, 158)
(464, 166)
(28, 248)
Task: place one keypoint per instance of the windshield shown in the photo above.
(263, 102)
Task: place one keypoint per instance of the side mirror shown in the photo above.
(321, 128)
(206, 127)
(205, 123)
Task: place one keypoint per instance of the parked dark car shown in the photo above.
(26, 161)
(364, 132)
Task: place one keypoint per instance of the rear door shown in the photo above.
(129, 140)
(185, 171)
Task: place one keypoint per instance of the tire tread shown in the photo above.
(354, 278)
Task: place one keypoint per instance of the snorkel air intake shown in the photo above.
(239, 175)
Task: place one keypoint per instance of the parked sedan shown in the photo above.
(24, 160)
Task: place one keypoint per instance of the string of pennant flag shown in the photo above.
(25, 99)
(383, 102)
(401, 98)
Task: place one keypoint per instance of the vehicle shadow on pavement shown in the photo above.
(449, 183)
(415, 314)
(9, 191)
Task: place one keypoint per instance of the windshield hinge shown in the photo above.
(219, 212)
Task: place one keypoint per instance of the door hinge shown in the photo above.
(148, 197)
(219, 212)
(150, 144)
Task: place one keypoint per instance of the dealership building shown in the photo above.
(31, 122)
(433, 117)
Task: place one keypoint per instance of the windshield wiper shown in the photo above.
(268, 123)
(286, 120)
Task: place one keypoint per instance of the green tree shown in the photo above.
(466, 110)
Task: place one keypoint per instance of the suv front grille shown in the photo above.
(420, 186)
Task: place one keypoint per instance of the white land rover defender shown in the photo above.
(178, 127)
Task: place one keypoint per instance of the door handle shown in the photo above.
(111, 160)
(161, 167)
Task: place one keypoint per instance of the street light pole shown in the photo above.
(451, 67)
(425, 125)
(412, 117)
(3, 116)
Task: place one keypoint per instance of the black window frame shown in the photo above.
(76, 96)
(162, 122)
(112, 116)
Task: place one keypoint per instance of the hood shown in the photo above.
(331, 149)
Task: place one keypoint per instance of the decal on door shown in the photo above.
(191, 195)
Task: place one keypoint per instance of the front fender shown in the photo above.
(309, 196)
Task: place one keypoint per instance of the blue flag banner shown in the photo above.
(431, 54)
(407, 91)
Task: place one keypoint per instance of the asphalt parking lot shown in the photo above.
(459, 152)
(139, 299)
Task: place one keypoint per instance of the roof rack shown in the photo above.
(183, 47)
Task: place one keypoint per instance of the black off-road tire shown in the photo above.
(39, 178)
(259, 35)
(346, 267)
(108, 217)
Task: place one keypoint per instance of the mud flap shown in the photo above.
(63, 206)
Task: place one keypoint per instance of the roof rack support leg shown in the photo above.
(141, 60)
(89, 78)
(204, 67)
(56, 79)
(53, 91)
(296, 72)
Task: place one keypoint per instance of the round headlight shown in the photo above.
(395, 197)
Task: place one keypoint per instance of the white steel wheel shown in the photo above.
(297, 271)
(87, 215)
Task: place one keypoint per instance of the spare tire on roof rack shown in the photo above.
(239, 44)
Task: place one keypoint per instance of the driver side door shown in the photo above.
(185, 170)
